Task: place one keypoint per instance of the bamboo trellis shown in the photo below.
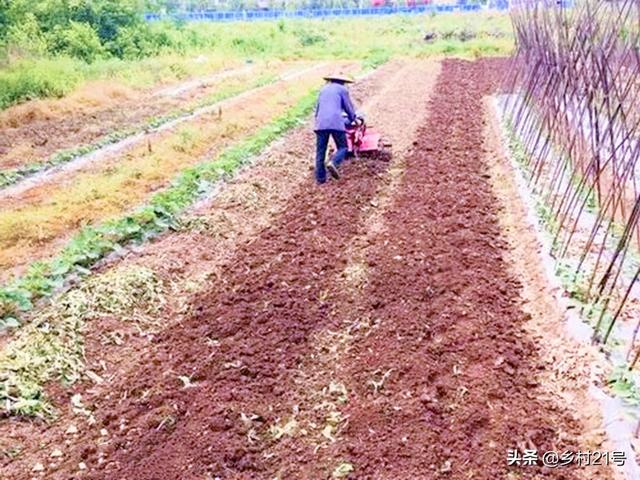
(572, 100)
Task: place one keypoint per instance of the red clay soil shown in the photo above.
(459, 387)
(462, 388)
(264, 309)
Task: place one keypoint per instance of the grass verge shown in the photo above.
(203, 45)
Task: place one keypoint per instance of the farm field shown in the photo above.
(179, 298)
(40, 129)
(303, 310)
(37, 219)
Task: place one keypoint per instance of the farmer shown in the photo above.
(332, 102)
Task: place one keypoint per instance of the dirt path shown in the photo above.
(373, 330)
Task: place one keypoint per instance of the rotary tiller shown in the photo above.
(364, 140)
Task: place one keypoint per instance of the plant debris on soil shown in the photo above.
(52, 346)
(426, 369)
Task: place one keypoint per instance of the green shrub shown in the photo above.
(152, 39)
(193, 35)
(168, 36)
(78, 40)
(79, 28)
(108, 17)
(4, 18)
(248, 45)
(130, 43)
(308, 37)
(27, 37)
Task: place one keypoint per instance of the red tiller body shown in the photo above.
(362, 139)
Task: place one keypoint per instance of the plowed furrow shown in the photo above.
(245, 339)
(446, 382)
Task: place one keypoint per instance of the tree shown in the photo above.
(4, 19)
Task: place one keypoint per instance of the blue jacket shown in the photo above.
(332, 101)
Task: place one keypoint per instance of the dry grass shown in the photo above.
(41, 129)
(91, 97)
(115, 84)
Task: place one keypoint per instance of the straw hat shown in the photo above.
(340, 77)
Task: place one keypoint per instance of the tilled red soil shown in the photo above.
(244, 341)
(438, 379)
(461, 384)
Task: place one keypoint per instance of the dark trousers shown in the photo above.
(322, 141)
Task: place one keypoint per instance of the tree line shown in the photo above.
(96, 29)
(85, 29)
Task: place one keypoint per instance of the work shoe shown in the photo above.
(333, 170)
